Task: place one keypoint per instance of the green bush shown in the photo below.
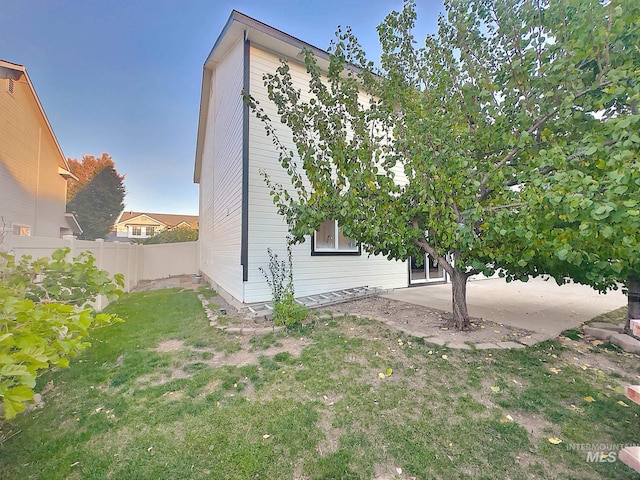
(175, 235)
(280, 279)
(287, 312)
(45, 317)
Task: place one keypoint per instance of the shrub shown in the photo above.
(45, 317)
(175, 235)
(280, 279)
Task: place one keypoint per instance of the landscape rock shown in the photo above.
(626, 342)
(607, 326)
(486, 346)
(599, 333)
(510, 345)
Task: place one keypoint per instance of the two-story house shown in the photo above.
(238, 221)
(33, 169)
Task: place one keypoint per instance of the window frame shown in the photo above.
(21, 230)
(326, 252)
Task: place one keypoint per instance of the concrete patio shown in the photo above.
(538, 305)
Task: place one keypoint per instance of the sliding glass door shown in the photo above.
(428, 271)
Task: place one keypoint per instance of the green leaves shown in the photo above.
(14, 400)
(44, 323)
(507, 140)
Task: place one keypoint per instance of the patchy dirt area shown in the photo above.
(428, 323)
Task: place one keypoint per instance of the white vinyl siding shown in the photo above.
(221, 177)
(312, 274)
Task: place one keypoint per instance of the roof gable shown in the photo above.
(15, 71)
(169, 220)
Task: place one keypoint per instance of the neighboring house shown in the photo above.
(238, 221)
(33, 169)
(140, 225)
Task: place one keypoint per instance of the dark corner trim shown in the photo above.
(244, 243)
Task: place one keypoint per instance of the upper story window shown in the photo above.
(329, 240)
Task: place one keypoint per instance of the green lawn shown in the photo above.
(165, 396)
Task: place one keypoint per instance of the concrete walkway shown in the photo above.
(537, 305)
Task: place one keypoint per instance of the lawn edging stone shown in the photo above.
(607, 326)
(626, 342)
(599, 333)
(213, 322)
(509, 345)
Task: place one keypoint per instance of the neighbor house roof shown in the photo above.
(15, 71)
(240, 26)
(167, 219)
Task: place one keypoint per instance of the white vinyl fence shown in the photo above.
(135, 262)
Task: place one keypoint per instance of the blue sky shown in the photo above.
(123, 76)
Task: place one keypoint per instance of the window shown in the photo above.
(151, 231)
(136, 231)
(329, 240)
(22, 230)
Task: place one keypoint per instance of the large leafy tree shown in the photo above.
(85, 170)
(467, 147)
(98, 203)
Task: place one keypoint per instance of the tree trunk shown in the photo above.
(460, 319)
(633, 300)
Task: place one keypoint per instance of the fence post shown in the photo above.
(100, 253)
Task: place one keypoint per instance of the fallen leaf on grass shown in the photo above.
(495, 389)
(555, 370)
(444, 356)
(389, 372)
(265, 436)
(574, 408)
(620, 402)
(554, 440)
(596, 343)
(589, 399)
(381, 375)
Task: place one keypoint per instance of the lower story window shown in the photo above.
(330, 240)
(151, 231)
(136, 231)
(22, 230)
